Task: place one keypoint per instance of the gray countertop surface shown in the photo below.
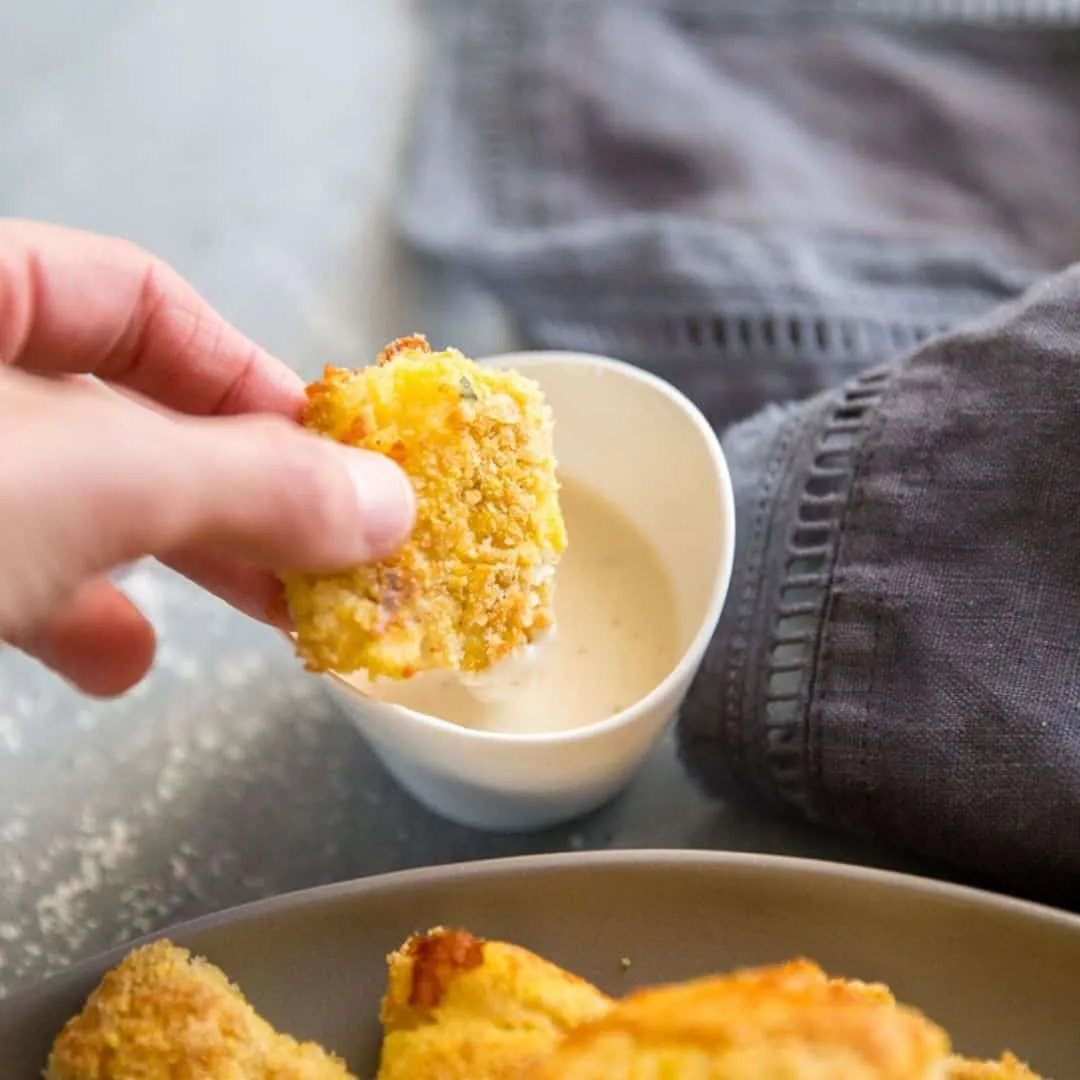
(254, 146)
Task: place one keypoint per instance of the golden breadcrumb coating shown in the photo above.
(1008, 1068)
(782, 1023)
(459, 1008)
(163, 1014)
(475, 581)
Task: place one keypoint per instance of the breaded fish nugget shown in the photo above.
(459, 1008)
(780, 1023)
(163, 1014)
(475, 581)
(1007, 1068)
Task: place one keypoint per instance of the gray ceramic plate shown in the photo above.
(996, 972)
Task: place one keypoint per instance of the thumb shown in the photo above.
(279, 497)
(91, 480)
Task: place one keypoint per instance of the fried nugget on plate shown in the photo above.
(781, 1023)
(475, 581)
(1007, 1068)
(163, 1014)
(460, 1008)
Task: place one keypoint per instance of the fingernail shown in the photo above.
(387, 503)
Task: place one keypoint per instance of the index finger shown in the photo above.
(71, 301)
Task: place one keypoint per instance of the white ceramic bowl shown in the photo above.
(641, 443)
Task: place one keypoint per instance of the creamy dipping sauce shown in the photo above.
(615, 639)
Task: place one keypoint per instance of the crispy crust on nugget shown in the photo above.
(789, 1022)
(460, 1008)
(475, 581)
(165, 1014)
(1008, 1067)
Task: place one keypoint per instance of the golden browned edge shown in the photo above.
(438, 957)
(1008, 1067)
(422, 971)
(409, 343)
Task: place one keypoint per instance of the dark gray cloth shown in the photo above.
(901, 652)
(763, 202)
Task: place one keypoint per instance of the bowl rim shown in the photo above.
(691, 656)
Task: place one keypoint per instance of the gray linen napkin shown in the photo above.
(755, 205)
(900, 654)
(766, 201)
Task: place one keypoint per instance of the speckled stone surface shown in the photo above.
(253, 146)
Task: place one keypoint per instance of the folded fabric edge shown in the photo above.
(744, 728)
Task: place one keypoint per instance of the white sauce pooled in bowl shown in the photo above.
(615, 638)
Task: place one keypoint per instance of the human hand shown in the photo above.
(169, 466)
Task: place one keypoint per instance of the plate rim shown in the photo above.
(512, 865)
